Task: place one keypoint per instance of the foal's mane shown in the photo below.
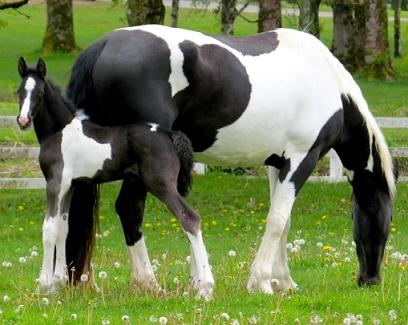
(67, 102)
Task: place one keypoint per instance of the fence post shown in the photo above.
(336, 167)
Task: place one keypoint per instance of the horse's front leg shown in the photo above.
(130, 208)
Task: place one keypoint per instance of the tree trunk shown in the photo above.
(309, 16)
(228, 15)
(397, 29)
(344, 43)
(59, 35)
(270, 16)
(174, 12)
(141, 12)
(377, 61)
(404, 5)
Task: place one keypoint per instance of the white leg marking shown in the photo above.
(142, 271)
(205, 280)
(50, 231)
(60, 274)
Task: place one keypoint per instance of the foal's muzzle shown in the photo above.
(24, 122)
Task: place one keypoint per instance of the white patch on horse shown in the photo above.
(50, 232)
(142, 271)
(29, 86)
(82, 155)
(154, 126)
(204, 281)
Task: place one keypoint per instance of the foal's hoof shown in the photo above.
(44, 286)
(364, 280)
(259, 285)
(58, 282)
(149, 285)
(204, 289)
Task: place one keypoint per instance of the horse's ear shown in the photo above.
(41, 67)
(22, 67)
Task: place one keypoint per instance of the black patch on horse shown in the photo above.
(252, 45)
(218, 93)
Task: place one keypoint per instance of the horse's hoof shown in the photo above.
(259, 285)
(284, 284)
(205, 292)
(147, 285)
(44, 286)
(58, 282)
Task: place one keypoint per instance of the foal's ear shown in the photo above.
(41, 67)
(22, 67)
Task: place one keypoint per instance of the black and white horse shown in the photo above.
(73, 148)
(279, 99)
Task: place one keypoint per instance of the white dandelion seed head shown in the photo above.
(163, 320)
(241, 265)
(125, 318)
(22, 259)
(344, 241)
(153, 319)
(116, 265)
(176, 280)
(235, 322)
(337, 255)
(319, 244)
(232, 253)
(6, 298)
(359, 322)
(347, 259)
(295, 249)
(155, 261)
(45, 301)
(253, 320)
(188, 258)
(84, 277)
(392, 315)
(289, 245)
(105, 321)
(346, 321)
(34, 254)
(74, 316)
(103, 274)
(302, 241)
(359, 317)
(225, 316)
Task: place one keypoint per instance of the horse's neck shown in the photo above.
(53, 117)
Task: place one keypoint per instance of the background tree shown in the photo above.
(142, 12)
(59, 34)
(397, 28)
(270, 16)
(309, 16)
(174, 12)
(229, 13)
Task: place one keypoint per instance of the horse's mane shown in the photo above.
(68, 103)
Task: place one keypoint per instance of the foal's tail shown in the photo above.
(184, 150)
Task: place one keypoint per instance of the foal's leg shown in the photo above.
(130, 208)
(270, 260)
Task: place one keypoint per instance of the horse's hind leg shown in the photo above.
(130, 208)
(270, 260)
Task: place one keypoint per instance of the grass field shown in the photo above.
(233, 210)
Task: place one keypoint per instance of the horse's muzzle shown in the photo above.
(23, 122)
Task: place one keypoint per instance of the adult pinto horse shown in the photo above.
(73, 148)
(278, 98)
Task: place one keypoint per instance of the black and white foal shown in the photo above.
(72, 148)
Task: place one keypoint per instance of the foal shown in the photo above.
(72, 148)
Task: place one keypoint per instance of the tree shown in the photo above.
(397, 29)
(174, 12)
(59, 35)
(229, 13)
(142, 12)
(360, 36)
(270, 16)
(309, 16)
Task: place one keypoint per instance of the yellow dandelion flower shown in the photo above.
(327, 248)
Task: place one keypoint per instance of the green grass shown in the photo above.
(233, 210)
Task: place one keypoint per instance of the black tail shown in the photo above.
(184, 150)
(84, 204)
(82, 225)
(80, 87)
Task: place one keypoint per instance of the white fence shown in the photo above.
(335, 173)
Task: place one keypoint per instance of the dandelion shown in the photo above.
(347, 259)
(74, 316)
(253, 320)
(116, 264)
(34, 254)
(105, 321)
(188, 258)
(359, 322)
(289, 246)
(235, 322)
(346, 321)
(319, 245)
(19, 309)
(163, 320)
(22, 260)
(6, 298)
(125, 318)
(153, 319)
(392, 315)
(316, 320)
(103, 275)
(176, 281)
(295, 249)
(225, 316)
(376, 321)
(302, 241)
(232, 253)
(45, 301)
(84, 277)
(241, 265)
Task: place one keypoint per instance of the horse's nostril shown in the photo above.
(23, 120)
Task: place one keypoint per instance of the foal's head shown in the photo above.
(31, 91)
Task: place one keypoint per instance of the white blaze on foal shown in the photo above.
(29, 87)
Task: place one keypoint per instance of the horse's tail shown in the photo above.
(84, 204)
(82, 225)
(352, 92)
(80, 87)
(184, 150)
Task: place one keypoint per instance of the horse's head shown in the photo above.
(31, 91)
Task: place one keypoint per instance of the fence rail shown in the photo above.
(335, 174)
